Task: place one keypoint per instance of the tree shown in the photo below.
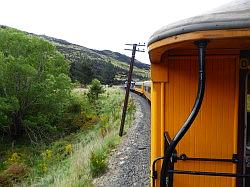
(34, 85)
(81, 70)
(95, 89)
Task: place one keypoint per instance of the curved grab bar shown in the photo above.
(201, 44)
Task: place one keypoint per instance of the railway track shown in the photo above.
(129, 164)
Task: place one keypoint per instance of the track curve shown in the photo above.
(129, 164)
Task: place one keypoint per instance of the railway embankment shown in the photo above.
(129, 163)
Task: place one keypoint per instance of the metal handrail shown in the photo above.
(184, 157)
(200, 94)
(215, 174)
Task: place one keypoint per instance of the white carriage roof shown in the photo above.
(147, 83)
(234, 15)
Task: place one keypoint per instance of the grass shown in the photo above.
(76, 159)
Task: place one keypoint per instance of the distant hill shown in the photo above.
(123, 58)
(107, 66)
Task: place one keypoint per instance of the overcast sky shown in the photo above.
(100, 24)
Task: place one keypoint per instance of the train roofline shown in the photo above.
(234, 15)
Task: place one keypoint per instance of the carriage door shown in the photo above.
(244, 120)
(246, 169)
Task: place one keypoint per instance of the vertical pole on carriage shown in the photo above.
(124, 110)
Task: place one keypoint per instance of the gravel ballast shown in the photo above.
(129, 163)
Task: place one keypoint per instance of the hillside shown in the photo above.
(50, 131)
(86, 64)
(107, 66)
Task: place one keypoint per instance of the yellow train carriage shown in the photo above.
(147, 89)
(139, 87)
(200, 132)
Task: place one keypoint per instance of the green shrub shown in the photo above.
(70, 160)
(98, 163)
(74, 107)
(95, 90)
(35, 86)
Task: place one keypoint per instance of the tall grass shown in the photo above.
(88, 157)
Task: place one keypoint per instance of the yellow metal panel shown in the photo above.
(214, 132)
(156, 131)
(159, 72)
(147, 94)
(139, 90)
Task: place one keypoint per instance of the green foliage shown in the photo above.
(73, 118)
(95, 90)
(82, 154)
(98, 162)
(82, 71)
(34, 88)
(67, 161)
(37, 104)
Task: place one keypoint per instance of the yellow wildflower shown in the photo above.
(44, 167)
(14, 158)
(68, 149)
(47, 155)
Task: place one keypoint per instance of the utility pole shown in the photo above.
(129, 82)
